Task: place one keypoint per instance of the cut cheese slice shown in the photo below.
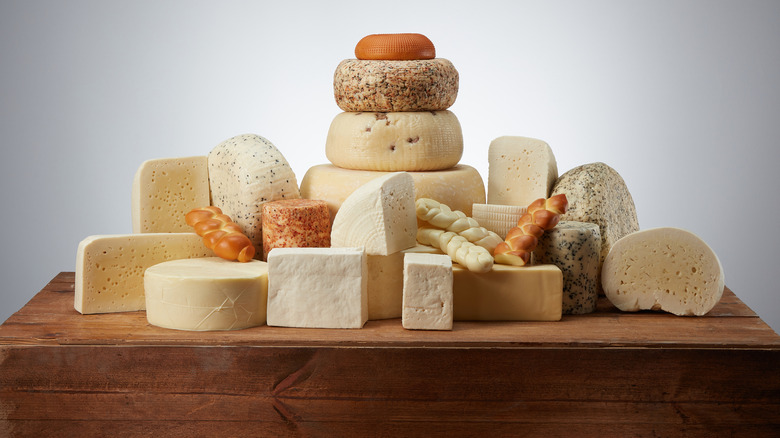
(458, 187)
(665, 269)
(165, 190)
(379, 216)
(206, 294)
(110, 268)
(395, 141)
(521, 170)
(497, 218)
(427, 292)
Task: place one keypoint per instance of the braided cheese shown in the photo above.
(221, 234)
(543, 214)
(441, 216)
(474, 258)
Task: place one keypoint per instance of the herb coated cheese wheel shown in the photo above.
(384, 86)
(393, 142)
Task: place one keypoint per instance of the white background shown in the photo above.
(680, 97)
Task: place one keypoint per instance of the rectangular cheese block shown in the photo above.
(508, 293)
(427, 303)
(110, 268)
(165, 190)
(317, 287)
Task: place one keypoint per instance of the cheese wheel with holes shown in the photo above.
(395, 142)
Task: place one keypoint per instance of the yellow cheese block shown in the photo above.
(206, 294)
(508, 293)
(459, 187)
(165, 190)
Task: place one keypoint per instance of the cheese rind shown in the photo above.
(395, 141)
(427, 303)
(110, 268)
(206, 294)
(521, 170)
(667, 269)
(497, 218)
(317, 287)
(164, 190)
(299, 223)
(508, 293)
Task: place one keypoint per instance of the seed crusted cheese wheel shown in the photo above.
(295, 223)
(459, 187)
(665, 269)
(398, 46)
(392, 142)
(395, 86)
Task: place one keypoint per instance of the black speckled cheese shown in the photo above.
(575, 248)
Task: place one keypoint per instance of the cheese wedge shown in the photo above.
(427, 292)
(521, 170)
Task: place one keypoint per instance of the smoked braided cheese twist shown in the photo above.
(472, 257)
(542, 215)
(220, 234)
(441, 216)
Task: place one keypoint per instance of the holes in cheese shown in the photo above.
(521, 170)
(427, 292)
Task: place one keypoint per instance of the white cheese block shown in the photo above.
(395, 141)
(497, 218)
(508, 293)
(459, 187)
(520, 170)
(206, 294)
(110, 268)
(165, 190)
(665, 269)
(379, 216)
(317, 287)
(244, 173)
(427, 303)
(575, 248)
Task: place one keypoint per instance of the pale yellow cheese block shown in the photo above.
(206, 294)
(521, 170)
(508, 293)
(165, 190)
(110, 268)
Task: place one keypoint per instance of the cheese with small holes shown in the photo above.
(317, 287)
(165, 190)
(427, 303)
(395, 141)
(508, 293)
(459, 187)
(667, 269)
(206, 294)
(520, 170)
(379, 216)
(110, 268)
(497, 218)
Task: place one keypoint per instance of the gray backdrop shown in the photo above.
(681, 97)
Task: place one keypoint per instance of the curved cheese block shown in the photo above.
(497, 218)
(206, 294)
(521, 170)
(395, 86)
(665, 269)
(245, 172)
(400, 141)
(295, 223)
(459, 187)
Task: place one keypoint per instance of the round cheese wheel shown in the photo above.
(398, 46)
(206, 294)
(382, 86)
(392, 142)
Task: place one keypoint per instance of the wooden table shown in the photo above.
(603, 374)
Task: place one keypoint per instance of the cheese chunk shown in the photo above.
(575, 248)
(497, 218)
(521, 170)
(110, 268)
(508, 293)
(317, 287)
(206, 294)
(165, 190)
(395, 141)
(665, 269)
(459, 187)
(244, 173)
(427, 292)
(379, 216)
(295, 223)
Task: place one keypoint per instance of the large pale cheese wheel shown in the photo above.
(665, 269)
(396, 141)
(521, 170)
(459, 187)
(395, 86)
(206, 294)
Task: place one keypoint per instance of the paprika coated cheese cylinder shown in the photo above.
(295, 223)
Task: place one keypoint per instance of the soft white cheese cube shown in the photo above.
(427, 303)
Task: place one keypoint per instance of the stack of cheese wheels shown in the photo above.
(395, 97)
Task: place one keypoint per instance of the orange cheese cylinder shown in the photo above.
(295, 223)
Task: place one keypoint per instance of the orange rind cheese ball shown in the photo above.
(395, 47)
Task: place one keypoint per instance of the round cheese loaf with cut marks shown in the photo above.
(396, 141)
(665, 269)
(395, 86)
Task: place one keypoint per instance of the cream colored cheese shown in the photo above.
(427, 303)
(521, 170)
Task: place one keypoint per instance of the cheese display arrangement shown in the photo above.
(393, 227)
